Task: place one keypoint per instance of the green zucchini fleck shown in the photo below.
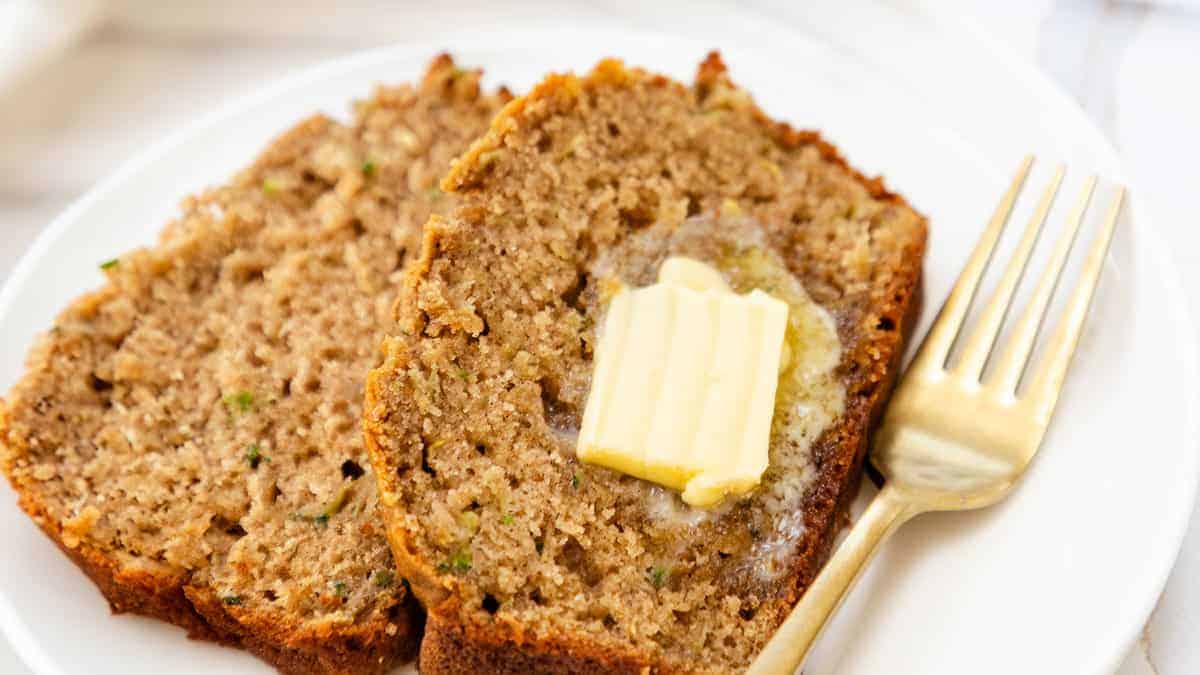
(459, 563)
(333, 507)
(658, 575)
(240, 402)
(254, 456)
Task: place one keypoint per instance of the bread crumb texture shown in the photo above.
(527, 559)
(190, 433)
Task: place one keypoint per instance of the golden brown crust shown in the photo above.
(452, 648)
(146, 593)
(455, 642)
(159, 594)
(364, 648)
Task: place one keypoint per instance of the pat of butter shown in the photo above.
(691, 274)
(684, 385)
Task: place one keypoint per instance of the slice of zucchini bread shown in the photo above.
(190, 434)
(528, 560)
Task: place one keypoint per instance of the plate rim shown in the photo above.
(1039, 82)
(28, 647)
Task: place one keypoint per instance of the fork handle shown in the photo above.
(787, 649)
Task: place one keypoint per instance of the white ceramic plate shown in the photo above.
(1057, 579)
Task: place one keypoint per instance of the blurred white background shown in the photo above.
(87, 84)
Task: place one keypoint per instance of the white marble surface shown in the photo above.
(149, 68)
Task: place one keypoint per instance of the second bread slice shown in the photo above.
(189, 434)
(529, 560)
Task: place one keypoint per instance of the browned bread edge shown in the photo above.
(362, 649)
(146, 593)
(203, 615)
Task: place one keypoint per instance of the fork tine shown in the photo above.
(945, 329)
(979, 344)
(1049, 377)
(1007, 373)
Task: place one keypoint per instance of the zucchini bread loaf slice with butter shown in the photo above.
(528, 560)
(190, 434)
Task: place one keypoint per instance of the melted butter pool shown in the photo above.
(809, 396)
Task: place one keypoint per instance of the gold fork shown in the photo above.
(956, 436)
